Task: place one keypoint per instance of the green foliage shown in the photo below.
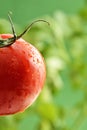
(62, 105)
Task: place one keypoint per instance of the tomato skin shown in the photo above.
(22, 76)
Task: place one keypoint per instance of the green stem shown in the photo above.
(10, 41)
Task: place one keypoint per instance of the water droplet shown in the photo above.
(9, 106)
(38, 61)
(29, 55)
(23, 52)
(33, 60)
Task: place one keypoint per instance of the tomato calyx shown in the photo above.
(10, 41)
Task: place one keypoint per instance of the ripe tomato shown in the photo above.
(22, 75)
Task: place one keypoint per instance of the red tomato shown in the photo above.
(22, 75)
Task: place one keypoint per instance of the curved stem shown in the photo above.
(29, 27)
(12, 25)
(9, 41)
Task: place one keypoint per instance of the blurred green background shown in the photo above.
(26, 10)
(62, 105)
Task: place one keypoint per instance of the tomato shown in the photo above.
(22, 72)
(22, 75)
